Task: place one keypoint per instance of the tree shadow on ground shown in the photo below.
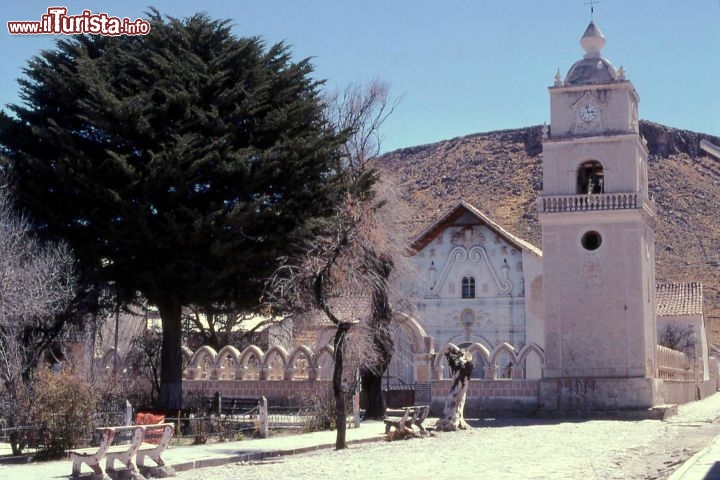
(501, 422)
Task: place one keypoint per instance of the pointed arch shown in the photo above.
(504, 348)
(414, 331)
(251, 369)
(530, 348)
(201, 354)
(203, 362)
(227, 362)
(252, 350)
(301, 367)
(272, 370)
(504, 359)
(481, 358)
(532, 359)
(479, 350)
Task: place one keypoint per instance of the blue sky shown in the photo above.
(460, 66)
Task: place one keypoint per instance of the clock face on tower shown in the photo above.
(588, 112)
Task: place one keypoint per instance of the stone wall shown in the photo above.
(490, 397)
(278, 393)
(484, 396)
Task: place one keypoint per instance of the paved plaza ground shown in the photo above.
(507, 449)
(494, 449)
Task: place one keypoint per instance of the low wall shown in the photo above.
(278, 393)
(484, 397)
(679, 392)
(490, 397)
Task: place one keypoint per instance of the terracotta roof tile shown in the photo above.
(684, 298)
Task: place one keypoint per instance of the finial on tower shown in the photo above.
(592, 41)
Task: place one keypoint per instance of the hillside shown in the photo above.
(501, 174)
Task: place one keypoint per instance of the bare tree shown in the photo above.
(36, 283)
(679, 337)
(356, 252)
(218, 326)
(461, 365)
(363, 110)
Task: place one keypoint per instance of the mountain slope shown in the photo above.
(500, 173)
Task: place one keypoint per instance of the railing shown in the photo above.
(673, 365)
(584, 203)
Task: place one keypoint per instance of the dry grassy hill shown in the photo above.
(501, 174)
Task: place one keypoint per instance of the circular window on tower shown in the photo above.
(591, 240)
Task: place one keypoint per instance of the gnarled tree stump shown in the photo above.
(461, 365)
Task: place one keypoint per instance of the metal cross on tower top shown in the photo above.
(592, 4)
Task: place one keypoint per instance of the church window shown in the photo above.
(590, 178)
(591, 240)
(468, 287)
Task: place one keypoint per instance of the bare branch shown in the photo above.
(36, 283)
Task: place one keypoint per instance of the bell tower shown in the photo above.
(598, 241)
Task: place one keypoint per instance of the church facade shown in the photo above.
(479, 287)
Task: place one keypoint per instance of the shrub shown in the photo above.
(319, 411)
(61, 405)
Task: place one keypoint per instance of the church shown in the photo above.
(579, 325)
(583, 316)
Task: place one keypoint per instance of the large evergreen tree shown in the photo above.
(178, 165)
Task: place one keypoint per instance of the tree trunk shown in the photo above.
(170, 397)
(382, 339)
(340, 415)
(372, 389)
(461, 366)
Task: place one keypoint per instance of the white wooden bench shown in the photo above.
(123, 453)
(154, 451)
(418, 417)
(403, 420)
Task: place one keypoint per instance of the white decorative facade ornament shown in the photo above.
(460, 254)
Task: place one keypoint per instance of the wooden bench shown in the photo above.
(423, 412)
(122, 453)
(403, 420)
(255, 407)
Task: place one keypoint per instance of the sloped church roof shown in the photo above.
(463, 208)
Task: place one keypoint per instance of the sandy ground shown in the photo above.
(507, 449)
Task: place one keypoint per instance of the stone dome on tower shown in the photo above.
(593, 68)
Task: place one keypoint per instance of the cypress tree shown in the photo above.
(178, 165)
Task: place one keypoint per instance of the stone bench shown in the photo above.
(157, 439)
(123, 453)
